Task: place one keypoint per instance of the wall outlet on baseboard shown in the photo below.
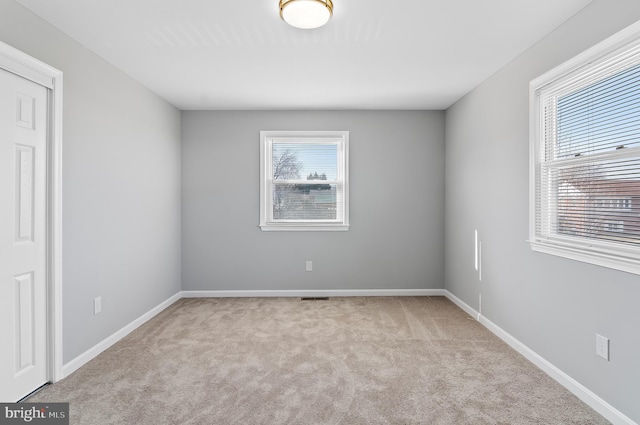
(602, 346)
(309, 266)
(97, 305)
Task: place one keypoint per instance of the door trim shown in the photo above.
(32, 69)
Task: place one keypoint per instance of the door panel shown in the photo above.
(24, 322)
(24, 194)
(23, 270)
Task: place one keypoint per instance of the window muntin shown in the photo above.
(304, 180)
(585, 139)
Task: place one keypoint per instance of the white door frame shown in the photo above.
(32, 69)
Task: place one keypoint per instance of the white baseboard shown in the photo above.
(317, 293)
(594, 401)
(94, 351)
(464, 306)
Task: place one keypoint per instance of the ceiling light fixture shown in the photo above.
(306, 14)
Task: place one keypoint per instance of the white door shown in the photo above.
(23, 245)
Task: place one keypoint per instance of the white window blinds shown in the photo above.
(304, 180)
(586, 147)
(591, 169)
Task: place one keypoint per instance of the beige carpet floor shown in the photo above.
(379, 360)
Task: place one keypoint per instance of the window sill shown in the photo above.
(296, 227)
(618, 260)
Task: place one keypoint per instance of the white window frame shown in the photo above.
(607, 254)
(267, 139)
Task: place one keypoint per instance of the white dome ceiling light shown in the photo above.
(306, 14)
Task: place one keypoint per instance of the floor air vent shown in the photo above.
(314, 298)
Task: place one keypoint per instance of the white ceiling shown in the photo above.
(373, 54)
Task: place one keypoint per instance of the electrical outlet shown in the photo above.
(602, 346)
(309, 266)
(97, 305)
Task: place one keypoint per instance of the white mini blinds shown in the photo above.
(304, 180)
(585, 145)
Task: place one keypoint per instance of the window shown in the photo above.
(585, 156)
(304, 182)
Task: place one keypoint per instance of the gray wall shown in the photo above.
(121, 185)
(553, 305)
(396, 209)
